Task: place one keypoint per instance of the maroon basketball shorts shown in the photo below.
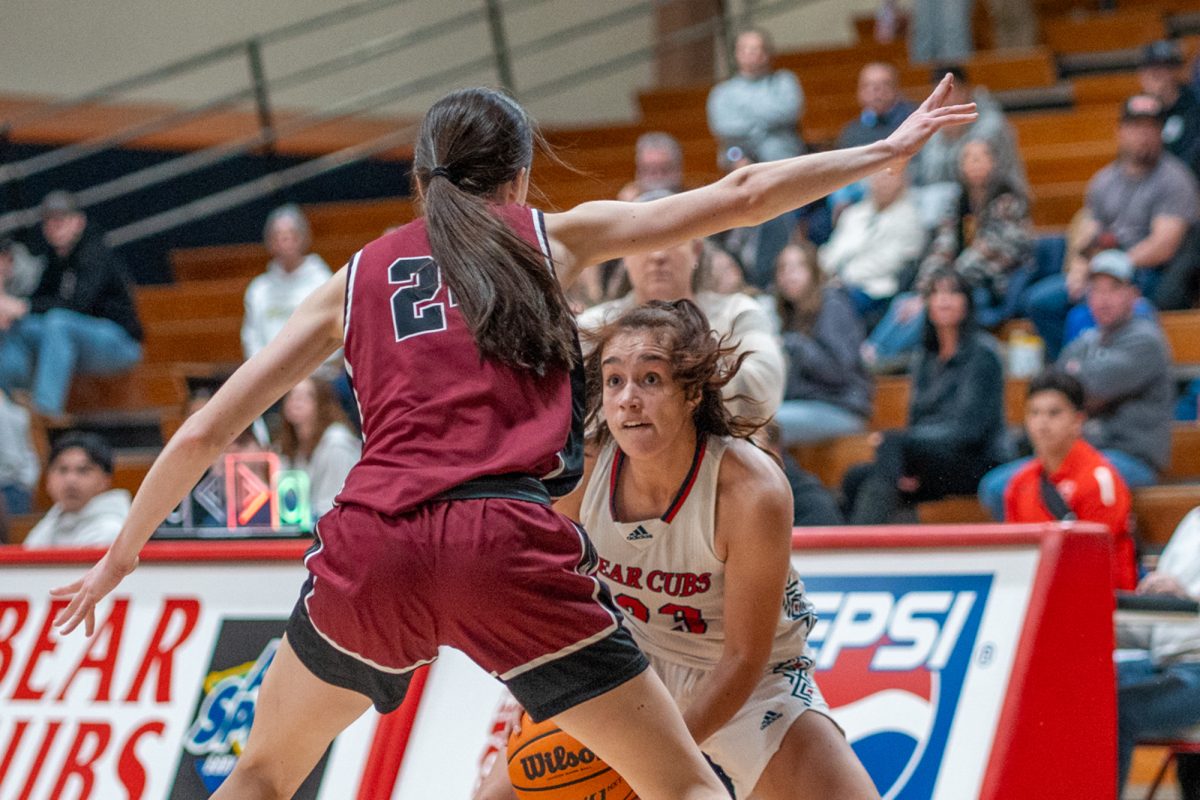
(508, 582)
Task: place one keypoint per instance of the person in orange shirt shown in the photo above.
(1068, 479)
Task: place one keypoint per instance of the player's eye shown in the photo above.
(612, 381)
(651, 379)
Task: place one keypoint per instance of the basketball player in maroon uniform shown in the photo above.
(465, 363)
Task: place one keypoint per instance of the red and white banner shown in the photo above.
(159, 702)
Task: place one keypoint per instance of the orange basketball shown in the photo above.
(546, 764)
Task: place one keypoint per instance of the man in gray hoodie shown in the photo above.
(87, 511)
(1124, 365)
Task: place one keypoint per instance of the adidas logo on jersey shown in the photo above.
(639, 534)
(768, 718)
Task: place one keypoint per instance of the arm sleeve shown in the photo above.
(1104, 498)
(726, 119)
(1178, 198)
(30, 465)
(1113, 373)
(973, 416)
(787, 100)
(1002, 244)
(101, 531)
(100, 270)
(762, 374)
(251, 335)
(39, 536)
(830, 355)
(942, 251)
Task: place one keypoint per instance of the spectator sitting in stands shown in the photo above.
(756, 247)
(673, 274)
(80, 318)
(828, 391)
(1125, 368)
(87, 511)
(1145, 202)
(291, 276)
(1068, 478)
(955, 417)
(883, 109)
(315, 437)
(874, 241)
(1161, 75)
(1158, 668)
(985, 238)
(757, 109)
(658, 164)
(725, 275)
(19, 465)
(935, 170)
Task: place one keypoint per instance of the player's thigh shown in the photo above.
(296, 717)
(815, 762)
(637, 730)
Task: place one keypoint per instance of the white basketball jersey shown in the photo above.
(665, 574)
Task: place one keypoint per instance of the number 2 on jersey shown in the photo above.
(687, 619)
(414, 310)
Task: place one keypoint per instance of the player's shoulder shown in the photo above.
(750, 475)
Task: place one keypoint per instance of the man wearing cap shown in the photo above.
(80, 318)
(87, 511)
(1160, 75)
(1143, 203)
(1125, 368)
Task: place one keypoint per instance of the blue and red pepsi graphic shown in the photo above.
(892, 654)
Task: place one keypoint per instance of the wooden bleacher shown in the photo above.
(194, 325)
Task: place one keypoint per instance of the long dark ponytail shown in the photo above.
(471, 142)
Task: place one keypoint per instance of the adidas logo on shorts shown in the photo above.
(768, 718)
(639, 534)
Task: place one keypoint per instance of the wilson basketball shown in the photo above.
(546, 764)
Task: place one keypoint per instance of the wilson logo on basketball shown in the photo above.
(556, 760)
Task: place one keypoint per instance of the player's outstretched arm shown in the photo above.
(753, 536)
(312, 334)
(594, 232)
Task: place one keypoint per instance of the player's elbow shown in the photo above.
(746, 196)
(198, 434)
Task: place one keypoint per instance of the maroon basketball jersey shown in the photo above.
(435, 412)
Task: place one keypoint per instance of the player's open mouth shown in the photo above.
(632, 425)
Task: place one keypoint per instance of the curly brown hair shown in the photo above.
(701, 363)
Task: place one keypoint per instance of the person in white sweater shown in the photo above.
(292, 275)
(1158, 672)
(87, 511)
(673, 274)
(314, 437)
(874, 240)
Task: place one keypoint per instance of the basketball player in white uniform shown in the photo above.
(692, 524)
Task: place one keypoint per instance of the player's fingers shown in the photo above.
(89, 625)
(66, 591)
(69, 624)
(70, 610)
(938, 95)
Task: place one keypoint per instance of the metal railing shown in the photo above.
(499, 57)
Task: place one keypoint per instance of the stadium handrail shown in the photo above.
(500, 56)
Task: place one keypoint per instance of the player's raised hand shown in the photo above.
(86, 592)
(929, 118)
